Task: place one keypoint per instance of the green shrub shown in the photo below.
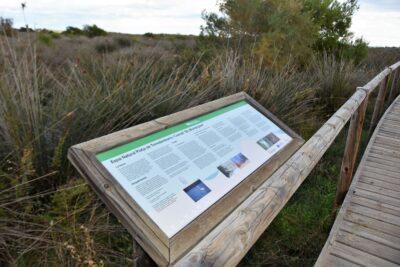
(55, 35)
(356, 51)
(93, 31)
(105, 47)
(25, 29)
(149, 35)
(6, 26)
(45, 39)
(123, 41)
(88, 30)
(73, 31)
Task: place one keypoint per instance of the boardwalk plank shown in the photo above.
(367, 229)
(385, 160)
(380, 183)
(382, 166)
(369, 246)
(381, 177)
(371, 234)
(377, 197)
(372, 223)
(386, 173)
(385, 152)
(335, 261)
(375, 214)
(358, 257)
(379, 190)
(387, 208)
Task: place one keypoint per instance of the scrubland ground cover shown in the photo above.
(57, 90)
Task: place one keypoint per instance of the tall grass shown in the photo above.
(47, 213)
(337, 80)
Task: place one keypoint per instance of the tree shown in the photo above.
(285, 29)
(6, 26)
(281, 29)
(333, 20)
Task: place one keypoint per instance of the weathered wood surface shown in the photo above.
(371, 85)
(394, 88)
(226, 244)
(367, 229)
(379, 104)
(351, 152)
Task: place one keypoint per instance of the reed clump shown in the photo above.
(47, 213)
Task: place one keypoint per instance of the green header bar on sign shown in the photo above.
(163, 133)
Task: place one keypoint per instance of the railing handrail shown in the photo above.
(227, 243)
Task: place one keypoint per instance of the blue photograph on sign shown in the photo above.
(197, 190)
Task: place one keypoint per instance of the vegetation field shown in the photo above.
(60, 89)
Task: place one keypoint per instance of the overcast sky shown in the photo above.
(378, 21)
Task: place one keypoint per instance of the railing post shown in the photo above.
(394, 87)
(379, 105)
(351, 151)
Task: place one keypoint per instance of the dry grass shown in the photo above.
(54, 96)
(47, 213)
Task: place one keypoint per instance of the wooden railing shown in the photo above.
(226, 244)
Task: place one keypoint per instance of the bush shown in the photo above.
(357, 51)
(105, 47)
(6, 26)
(55, 35)
(123, 41)
(50, 33)
(25, 29)
(45, 39)
(93, 31)
(73, 31)
(149, 35)
(88, 30)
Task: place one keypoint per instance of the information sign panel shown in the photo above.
(176, 174)
(172, 180)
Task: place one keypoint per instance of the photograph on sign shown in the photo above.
(176, 174)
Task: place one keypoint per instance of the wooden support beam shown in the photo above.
(351, 151)
(394, 90)
(379, 105)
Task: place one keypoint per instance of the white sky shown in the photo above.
(378, 21)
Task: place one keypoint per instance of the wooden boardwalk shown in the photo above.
(367, 229)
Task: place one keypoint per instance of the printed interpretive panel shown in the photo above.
(176, 174)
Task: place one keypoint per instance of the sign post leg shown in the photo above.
(140, 258)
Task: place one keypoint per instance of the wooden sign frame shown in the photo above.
(161, 249)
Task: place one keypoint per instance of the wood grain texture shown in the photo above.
(379, 105)
(372, 84)
(350, 152)
(231, 239)
(394, 88)
(369, 221)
